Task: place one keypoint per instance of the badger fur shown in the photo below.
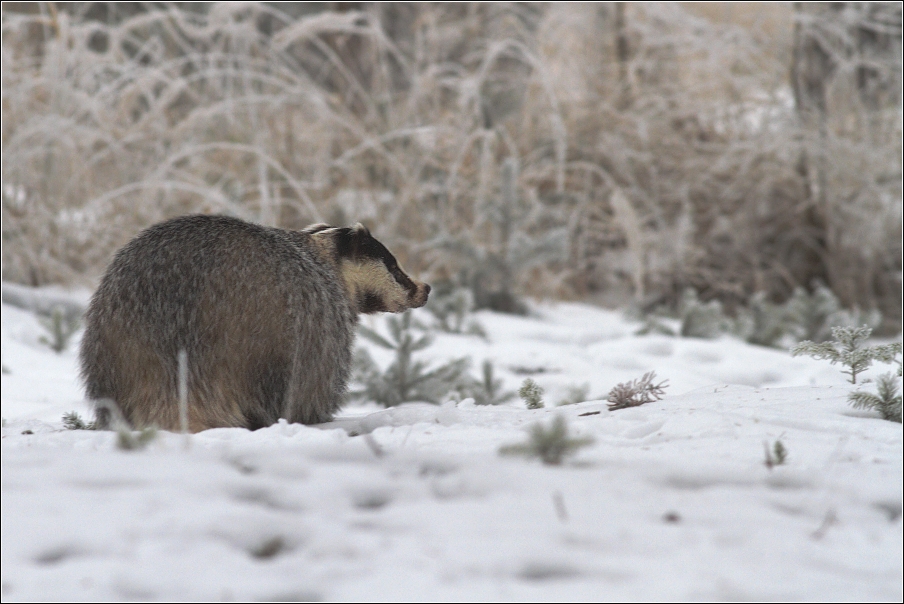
(266, 316)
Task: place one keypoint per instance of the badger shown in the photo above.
(266, 317)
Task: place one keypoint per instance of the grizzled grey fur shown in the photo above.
(267, 317)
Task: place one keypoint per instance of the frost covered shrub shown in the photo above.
(701, 319)
(636, 392)
(847, 349)
(746, 159)
(492, 269)
(763, 323)
(406, 379)
(550, 444)
(811, 316)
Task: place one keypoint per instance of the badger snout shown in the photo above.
(419, 296)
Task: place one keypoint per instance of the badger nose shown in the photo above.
(427, 288)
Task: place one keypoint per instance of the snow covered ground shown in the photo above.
(672, 502)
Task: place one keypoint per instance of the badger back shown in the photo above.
(265, 321)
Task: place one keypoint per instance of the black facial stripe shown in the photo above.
(370, 303)
(403, 279)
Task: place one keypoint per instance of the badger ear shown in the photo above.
(361, 229)
(315, 228)
(347, 241)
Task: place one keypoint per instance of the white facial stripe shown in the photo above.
(371, 277)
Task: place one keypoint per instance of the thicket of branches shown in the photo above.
(664, 147)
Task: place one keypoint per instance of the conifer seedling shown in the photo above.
(776, 456)
(61, 328)
(74, 421)
(886, 401)
(847, 348)
(532, 394)
(488, 390)
(406, 379)
(551, 444)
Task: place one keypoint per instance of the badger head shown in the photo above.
(373, 278)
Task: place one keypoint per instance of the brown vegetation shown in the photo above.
(735, 150)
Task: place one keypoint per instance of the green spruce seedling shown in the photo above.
(74, 421)
(812, 316)
(847, 348)
(61, 328)
(776, 456)
(405, 379)
(636, 392)
(886, 401)
(488, 390)
(551, 444)
(451, 307)
(532, 394)
(134, 441)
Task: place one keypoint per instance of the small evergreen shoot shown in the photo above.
(532, 394)
(812, 316)
(74, 421)
(886, 401)
(61, 327)
(551, 444)
(405, 380)
(127, 440)
(488, 390)
(636, 392)
(890, 353)
(847, 348)
(776, 456)
(451, 307)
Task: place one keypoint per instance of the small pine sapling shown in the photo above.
(551, 444)
(891, 353)
(847, 348)
(74, 421)
(451, 307)
(405, 379)
(134, 441)
(488, 390)
(812, 316)
(61, 327)
(636, 392)
(532, 394)
(776, 456)
(886, 401)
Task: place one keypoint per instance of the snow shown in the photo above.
(673, 501)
